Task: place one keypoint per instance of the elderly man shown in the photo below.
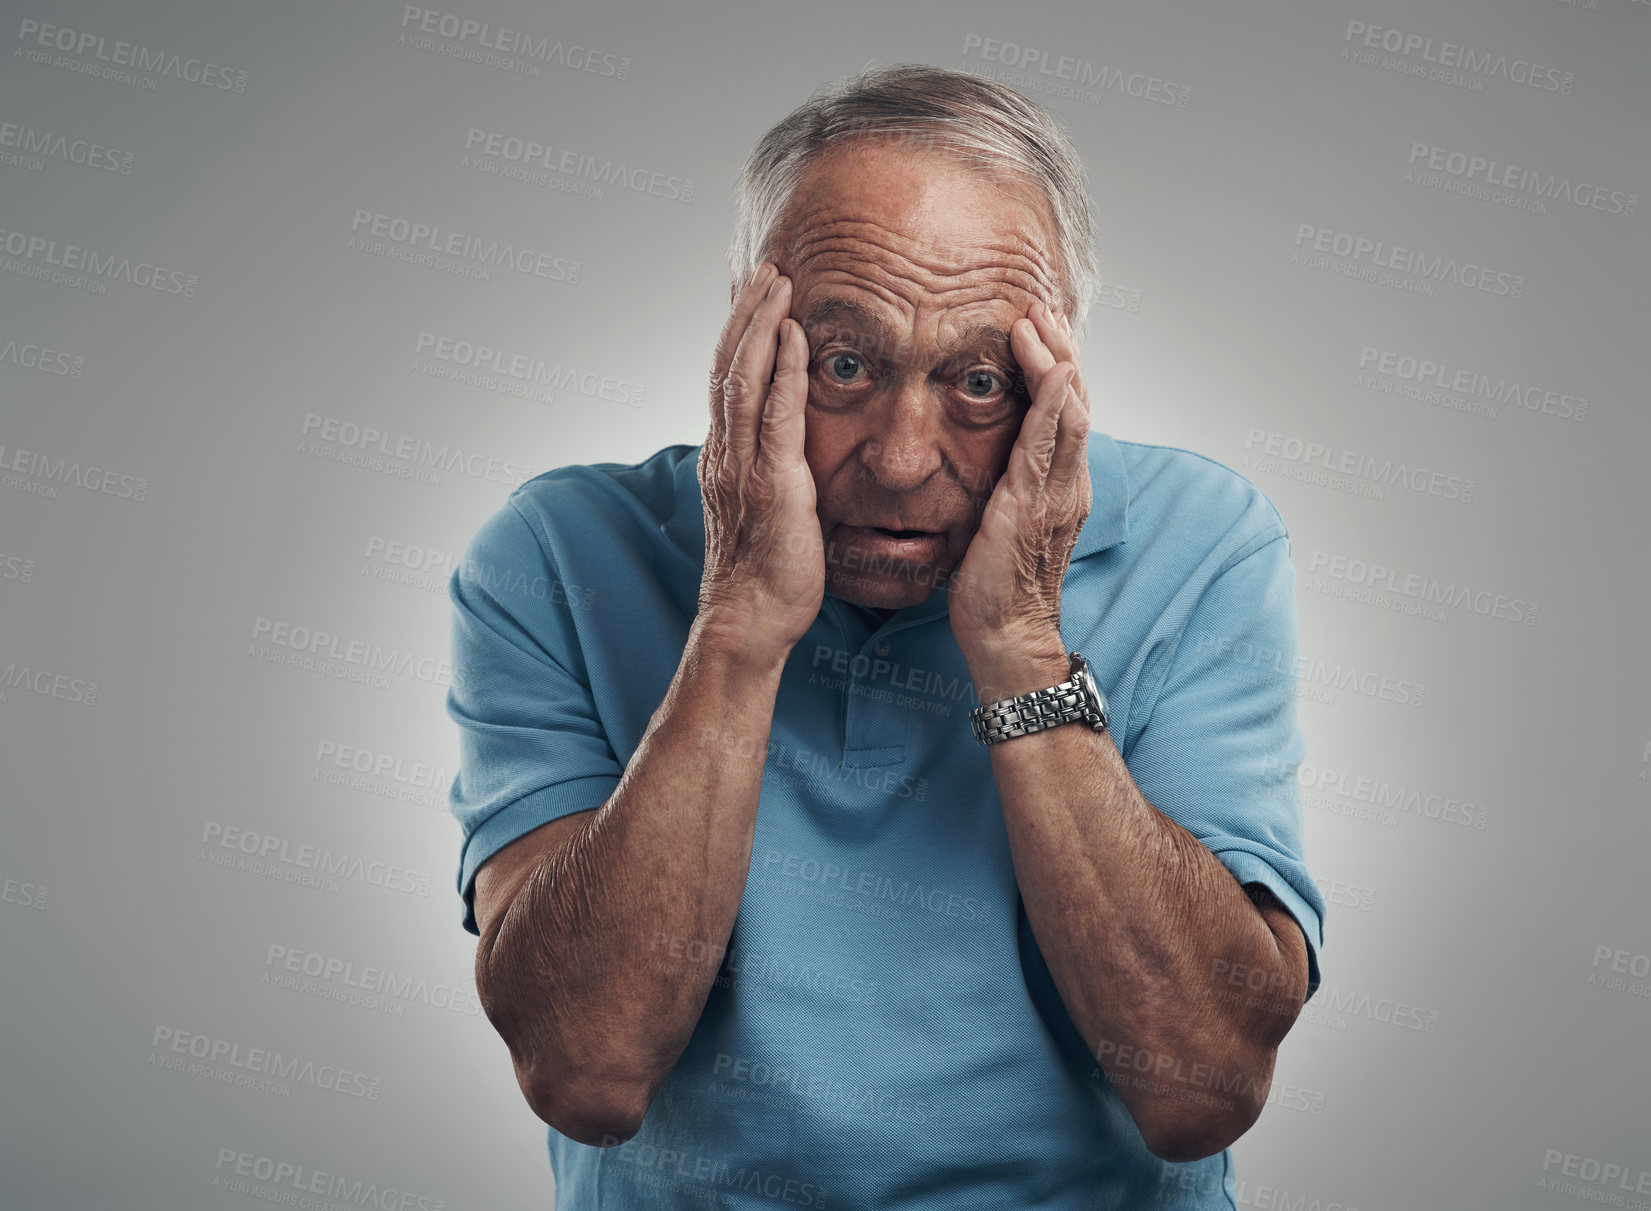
(889, 802)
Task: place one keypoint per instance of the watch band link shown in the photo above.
(1027, 713)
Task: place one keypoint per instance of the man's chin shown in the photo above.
(885, 590)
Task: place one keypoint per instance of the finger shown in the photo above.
(744, 302)
(1034, 358)
(1034, 451)
(784, 414)
(746, 386)
(1070, 462)
(1055, 331)
(1071, 459)
(739, 315)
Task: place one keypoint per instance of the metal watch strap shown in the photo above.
(1033, 712)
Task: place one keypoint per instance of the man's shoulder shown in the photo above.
(587, 513)
(579, 500)
(1178, 495)
(651, 482)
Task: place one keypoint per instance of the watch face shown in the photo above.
(1092, 691)
(1087, 680)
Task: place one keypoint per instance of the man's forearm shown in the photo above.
(1137, 920)
(600, 968)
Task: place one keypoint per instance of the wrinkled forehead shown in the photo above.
(883, 238)
(845, 314)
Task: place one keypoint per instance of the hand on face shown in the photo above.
(1008, 587)
(764, 555)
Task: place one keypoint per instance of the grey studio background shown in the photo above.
(1386, 259)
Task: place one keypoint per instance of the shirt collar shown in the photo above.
(1106, 526)
(1108, 520)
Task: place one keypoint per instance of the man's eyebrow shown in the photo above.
(847, 311)
(983, 335)
(979, 336)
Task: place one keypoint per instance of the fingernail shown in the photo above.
(774, 286)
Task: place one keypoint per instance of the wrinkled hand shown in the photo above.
(1007, 590)
(764, 552)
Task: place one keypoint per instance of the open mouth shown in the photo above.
(904, 533)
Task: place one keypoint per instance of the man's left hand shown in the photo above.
(1005, 596)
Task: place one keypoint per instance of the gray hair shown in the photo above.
(976, 120)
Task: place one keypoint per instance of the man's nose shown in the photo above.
(903, 449)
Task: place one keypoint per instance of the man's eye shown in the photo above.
(843, 366)
(981, 383)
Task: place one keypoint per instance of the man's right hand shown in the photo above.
(764, 578)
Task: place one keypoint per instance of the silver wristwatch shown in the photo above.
(1078, 697)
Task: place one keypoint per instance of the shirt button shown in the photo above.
(883, 647)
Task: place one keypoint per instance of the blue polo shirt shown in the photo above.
(883, 1031)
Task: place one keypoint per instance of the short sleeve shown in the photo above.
(1220, 747)
(531, 746)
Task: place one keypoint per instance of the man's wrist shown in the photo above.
(1009, 667)
(732, 638)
